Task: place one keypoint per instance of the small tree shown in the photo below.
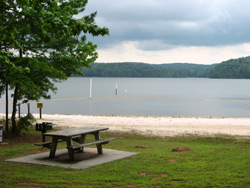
(44, 43)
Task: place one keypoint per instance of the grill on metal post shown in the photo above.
(44, 127)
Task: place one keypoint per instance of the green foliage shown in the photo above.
(233, 68)
(42, 42)
(146, 70)
(24, 123)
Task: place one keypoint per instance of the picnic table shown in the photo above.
(75, 134)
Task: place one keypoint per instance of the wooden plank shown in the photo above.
(91, 143)
(98, 143)
(46, 143)
(76, 131)
(43, 143)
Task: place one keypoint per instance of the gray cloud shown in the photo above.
(172, 23)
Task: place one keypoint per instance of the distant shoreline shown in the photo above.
(230, 69)
(155, 125)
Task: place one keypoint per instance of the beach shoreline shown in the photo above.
(154, 125)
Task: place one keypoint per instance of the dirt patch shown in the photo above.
(172, 160)
(181, 150)
(176, 181)
(129, 185)
(142, 147)
(4, 144)
(154, 176)
(27, 138)
(28, 184)
(157, 176)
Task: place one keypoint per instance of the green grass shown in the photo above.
(212, 162)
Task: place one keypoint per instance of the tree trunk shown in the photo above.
(15, 98)
(7, 109)
(13, 118)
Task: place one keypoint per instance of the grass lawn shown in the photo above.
(201, 162)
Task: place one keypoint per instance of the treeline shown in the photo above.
(147, 70)
(233, 68)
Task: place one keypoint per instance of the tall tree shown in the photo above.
(44, 43)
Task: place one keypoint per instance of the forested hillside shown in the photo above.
(233, 68)
(147, 70)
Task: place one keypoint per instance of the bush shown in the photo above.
(24, 123)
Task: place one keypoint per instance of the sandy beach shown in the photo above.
(155, 126)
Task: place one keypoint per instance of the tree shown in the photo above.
(44, 43)
(233, 68)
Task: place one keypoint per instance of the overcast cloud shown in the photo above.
(168, 31)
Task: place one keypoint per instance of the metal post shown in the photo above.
(28, 105)
(1, 133)
(43, 130)
(90, 88)
(40, 110)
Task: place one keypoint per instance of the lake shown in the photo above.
(196, 97)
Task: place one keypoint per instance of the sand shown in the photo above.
(155, 126)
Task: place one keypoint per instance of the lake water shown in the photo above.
(199, 97)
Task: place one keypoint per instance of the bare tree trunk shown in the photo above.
(15, 98)
(13, 118)
(7, 109)
(7, 101)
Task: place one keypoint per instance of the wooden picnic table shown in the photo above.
(78, 135)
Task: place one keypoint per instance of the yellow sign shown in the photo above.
(39, 105)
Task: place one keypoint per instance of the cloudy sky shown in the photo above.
(170, 31)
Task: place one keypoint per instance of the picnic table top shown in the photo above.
(76, 131)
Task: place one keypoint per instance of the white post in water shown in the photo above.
(116, 89)
(90, 88)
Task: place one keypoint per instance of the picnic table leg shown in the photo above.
(82, 140)
(70, 150)
(99, 146)
(53, 147)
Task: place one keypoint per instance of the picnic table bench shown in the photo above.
(75, 134)
(47, 144)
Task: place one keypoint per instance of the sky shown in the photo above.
(172, 31)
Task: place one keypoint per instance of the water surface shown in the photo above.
(199, 97)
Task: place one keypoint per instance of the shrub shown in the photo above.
(24, 123)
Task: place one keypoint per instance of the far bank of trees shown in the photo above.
(175, 70)
(233, 68)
